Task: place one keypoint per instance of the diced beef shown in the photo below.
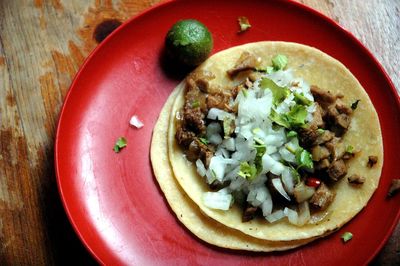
(322, 165)
(343, 108)
(219, 100)
(249, 213)
(206, 153)
(335, 147)
(307, 136)
(200, 80)
(245, 62)
(317, 116)
(372, 160)
(324, 137)
(322, 197)
(337, 170)
(184, 137)
(194, 98)
(319, 152)
(193, 120)
(356, 179)
(322, 97)
(198, 150)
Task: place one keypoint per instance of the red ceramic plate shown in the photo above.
(113, 200)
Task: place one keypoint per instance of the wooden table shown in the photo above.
(42, 45)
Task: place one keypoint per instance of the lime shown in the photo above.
(189, 41)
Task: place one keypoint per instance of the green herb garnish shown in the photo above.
(204, 141)
(279, 62)
(304, 159)
(279, 93)
(291, 134)
(247, 171)
(347, 236)
(350, 149)
(120, 144)
(195, 104)
(301, 99)
(320, 131)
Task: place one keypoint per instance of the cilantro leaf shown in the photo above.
(279, 93)
(297, 115)
(347, 236)
(247, 171)
(304, 158)
(204, 141)
(119, 144)
(279, 61)
(301, 99)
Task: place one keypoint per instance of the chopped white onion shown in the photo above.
(201, 169)
(266, 207)
(134, 121)
(302, 192)
(275, 216)
(304, 213)
(277, 183)
(292, 215)
(217, 200)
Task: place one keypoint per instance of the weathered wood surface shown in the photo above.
(42, 45)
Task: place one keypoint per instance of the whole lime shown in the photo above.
(189, 42)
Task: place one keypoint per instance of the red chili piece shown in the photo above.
(313, 182)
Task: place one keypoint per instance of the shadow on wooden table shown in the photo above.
(65, 245)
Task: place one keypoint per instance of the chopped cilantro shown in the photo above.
(354, 105)
(350, 149)
(244, 91)
(294, 118)
(195, 104)
(301, 99)
(280, 119)
(259, 141)
(304, 158)
(279, 93)
(247, 171)
(297, 115)
(320, 131)
(347, 236)
(269, 69)
(261, 149)
(244, 23)
(119, 144)
(291, 134)
(279, 62)
(295, 174)
(204, 141)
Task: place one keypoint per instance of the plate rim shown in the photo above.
(162, 4)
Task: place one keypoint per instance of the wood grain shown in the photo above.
(42, 45)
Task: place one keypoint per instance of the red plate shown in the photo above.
(113, 200)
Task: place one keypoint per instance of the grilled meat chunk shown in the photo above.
(319, 153)
(356, 179)
(337, 170)
(322, 197)
(245, 62)
(249, 213)
(372, 160)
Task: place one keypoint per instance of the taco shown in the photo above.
(187, 211)
(270, 140)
